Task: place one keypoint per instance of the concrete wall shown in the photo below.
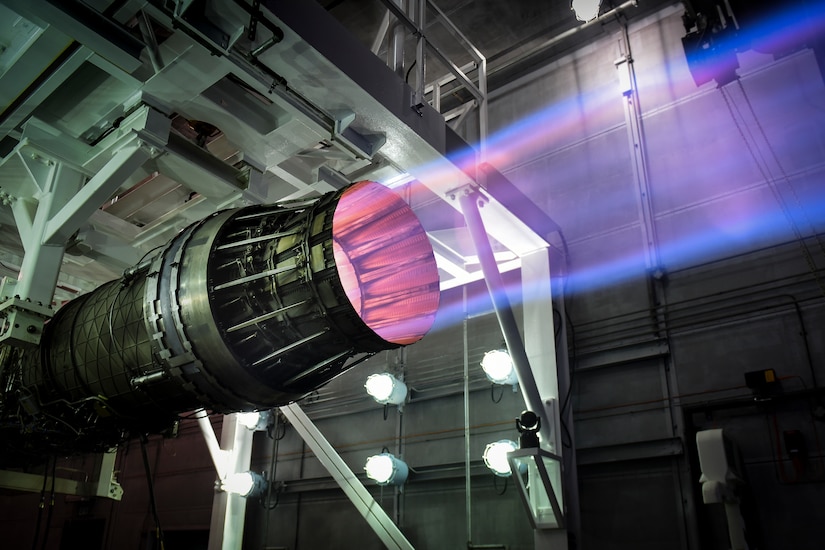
(734, 178)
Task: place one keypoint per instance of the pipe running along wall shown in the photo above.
(249, 308)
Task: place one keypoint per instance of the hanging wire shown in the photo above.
(764, 171)
(149, 252)
(51, 505)
(493, 393)
(571, 360)
(779, 165)
(276, 433)
(495, 485)
(412, 66)
(151, 486)
(40, 506)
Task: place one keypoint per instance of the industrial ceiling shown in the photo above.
(315, 135)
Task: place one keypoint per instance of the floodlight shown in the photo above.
(386, 388)
(498, 366)
(385, 469)
(586, 10)
(246, 484)
(495, 456)
(250, 420)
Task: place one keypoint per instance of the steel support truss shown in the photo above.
(536, 361)
(233, 454)
(104, 485)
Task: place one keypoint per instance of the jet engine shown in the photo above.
(247, 309)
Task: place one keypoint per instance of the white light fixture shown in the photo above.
(246, 484)
(385, 469)
(495, 456)
(498, 366)
(386, 388)
(255, 421)
(586, 10)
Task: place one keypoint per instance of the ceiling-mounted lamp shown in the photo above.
(586, 10)
(386, 388)
(499, 368)
(245, 484)
(386, 469)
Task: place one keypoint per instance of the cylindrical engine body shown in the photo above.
(247, 309)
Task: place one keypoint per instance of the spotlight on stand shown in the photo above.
(386, 469)
(495, 456)
(528, 425)
(386, 388)
(245, 484)
(248, 309)
(538, 475)
(586, 10)
(498, 366)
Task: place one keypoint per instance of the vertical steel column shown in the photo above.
(395, 50)
(420, 14)
(482, 109)
(539, 341)
(387, 531)
(470, 201)
(540, 382)
(65, 202)
(228, 509)
(468, 500)
(218, 455)
(43, 257)
(381, 34)
(655, 270)
(398, 502)
(552, 374)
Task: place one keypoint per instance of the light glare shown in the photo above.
(386, 388)
(385, 469)
(385, 263)
(249, 420)
(240, 483)
(379, 468)
(495, 456)
(498, 366)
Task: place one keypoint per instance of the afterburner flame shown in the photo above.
(385, 263)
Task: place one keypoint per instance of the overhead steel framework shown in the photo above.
(197, 107)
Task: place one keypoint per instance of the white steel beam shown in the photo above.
(43, 257)
(387, 531)
(229, 509)
(89, 198)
